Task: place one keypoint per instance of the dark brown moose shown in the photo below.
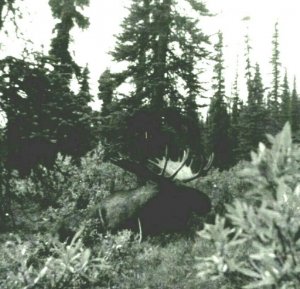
(164, 204)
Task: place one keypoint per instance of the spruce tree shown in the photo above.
(248, 67)
(67, 12)
(163, 48)
(236, 108)
(218, 121)
(274, 96)
(77, 131)
(253, 117)
(44, 115)
(285, 106)
(106, 90)
(295, 110)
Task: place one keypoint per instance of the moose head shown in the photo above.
(164, 204)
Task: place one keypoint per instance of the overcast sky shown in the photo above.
(91, 46)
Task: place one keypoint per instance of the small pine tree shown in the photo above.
(274, 96)
(107, 84)
(236, 108)
(252, 118)
(248, 67)
(285, 105)
(218, 120)
(295, 110)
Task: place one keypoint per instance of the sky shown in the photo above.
(91, 46)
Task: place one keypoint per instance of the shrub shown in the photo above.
(65, 194)
(149, 264)
(223, 187)
(261, 247)
(50, 264)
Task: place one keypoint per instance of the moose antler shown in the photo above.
(202, 170)
(178, 170)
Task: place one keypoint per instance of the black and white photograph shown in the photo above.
(149, 144)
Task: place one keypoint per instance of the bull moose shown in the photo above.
(163, 204)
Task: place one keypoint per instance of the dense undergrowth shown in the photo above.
(251, 237)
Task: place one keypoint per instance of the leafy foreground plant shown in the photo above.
(50, 264)
(261, 246)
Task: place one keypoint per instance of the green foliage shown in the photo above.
(40, 122)
(274, 97)
(68, 13)
(223, 187)
(254, 241)
(252, 118)
(156, 41)
(149, 264)
(276, 66)
(69, 192)
(148, 132)
(236, 108)
(115, 261)
(47, 263)
(295, 111)
(285, 107)
(162, 47)
(66, 194)
(106, 89)
(165, 262)
(260, 248)
(218, 120)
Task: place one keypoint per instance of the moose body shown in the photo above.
(163, 204)
(158, 208)
(171, 209)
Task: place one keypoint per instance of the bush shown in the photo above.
(60, 199)
(261, 247)
(117, 261)
(223, 187)
(149, 264)
(50, 264)
(89, 181)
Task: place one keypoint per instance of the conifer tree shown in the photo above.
(274, 96)
(253, 117)
(236, 108)
(295, 109)
(77, 132)
(248, 67)
(218, 121)
(106, 90)
(67, 13)
(44, 115)
(163, 48)
(285, 106)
